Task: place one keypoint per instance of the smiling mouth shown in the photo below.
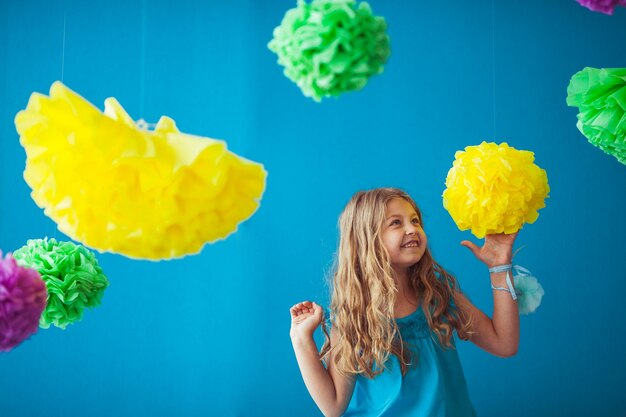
(411, 244)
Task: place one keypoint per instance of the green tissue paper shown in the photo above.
(329, 47)
(72, 275)
(600, 95)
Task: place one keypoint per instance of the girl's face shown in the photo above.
(402, 234)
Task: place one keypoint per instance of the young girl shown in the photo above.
(393, 312)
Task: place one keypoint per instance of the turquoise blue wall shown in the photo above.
(207, 335)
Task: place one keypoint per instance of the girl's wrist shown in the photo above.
(302, 342)
(299, 335)
(500, 276)
(499, 262)
(498, 279)
(499, 271)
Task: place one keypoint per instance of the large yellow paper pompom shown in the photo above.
(116, 186)
(494, 189)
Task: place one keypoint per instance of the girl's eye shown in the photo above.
(416, 221)
(395, 222)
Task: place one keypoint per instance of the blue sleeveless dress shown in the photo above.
(434, 385)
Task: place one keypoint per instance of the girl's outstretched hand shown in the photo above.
(305, 317)
(497, 249)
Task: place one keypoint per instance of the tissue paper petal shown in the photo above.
(602, 6)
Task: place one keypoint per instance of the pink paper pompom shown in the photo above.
(22, 300)
(602, 6)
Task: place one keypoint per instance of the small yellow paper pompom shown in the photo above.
(494, 189)
(116, 186)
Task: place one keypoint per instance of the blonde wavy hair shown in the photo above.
(364, 292)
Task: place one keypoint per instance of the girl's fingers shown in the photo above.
(303, 304)
(471, 246)
(302, 308)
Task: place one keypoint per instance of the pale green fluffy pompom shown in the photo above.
(529, 293)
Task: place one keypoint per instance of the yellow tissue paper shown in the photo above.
(116, 186)
(494, 189)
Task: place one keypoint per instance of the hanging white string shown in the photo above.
(56, 229)
(493, 65)
(63, 49)
(142, 57)
(142, 124)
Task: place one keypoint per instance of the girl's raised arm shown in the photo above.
(498, 335)
(330, 389)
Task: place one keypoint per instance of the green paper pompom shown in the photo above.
(600, 95)
(331, 46)
(72, 275)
